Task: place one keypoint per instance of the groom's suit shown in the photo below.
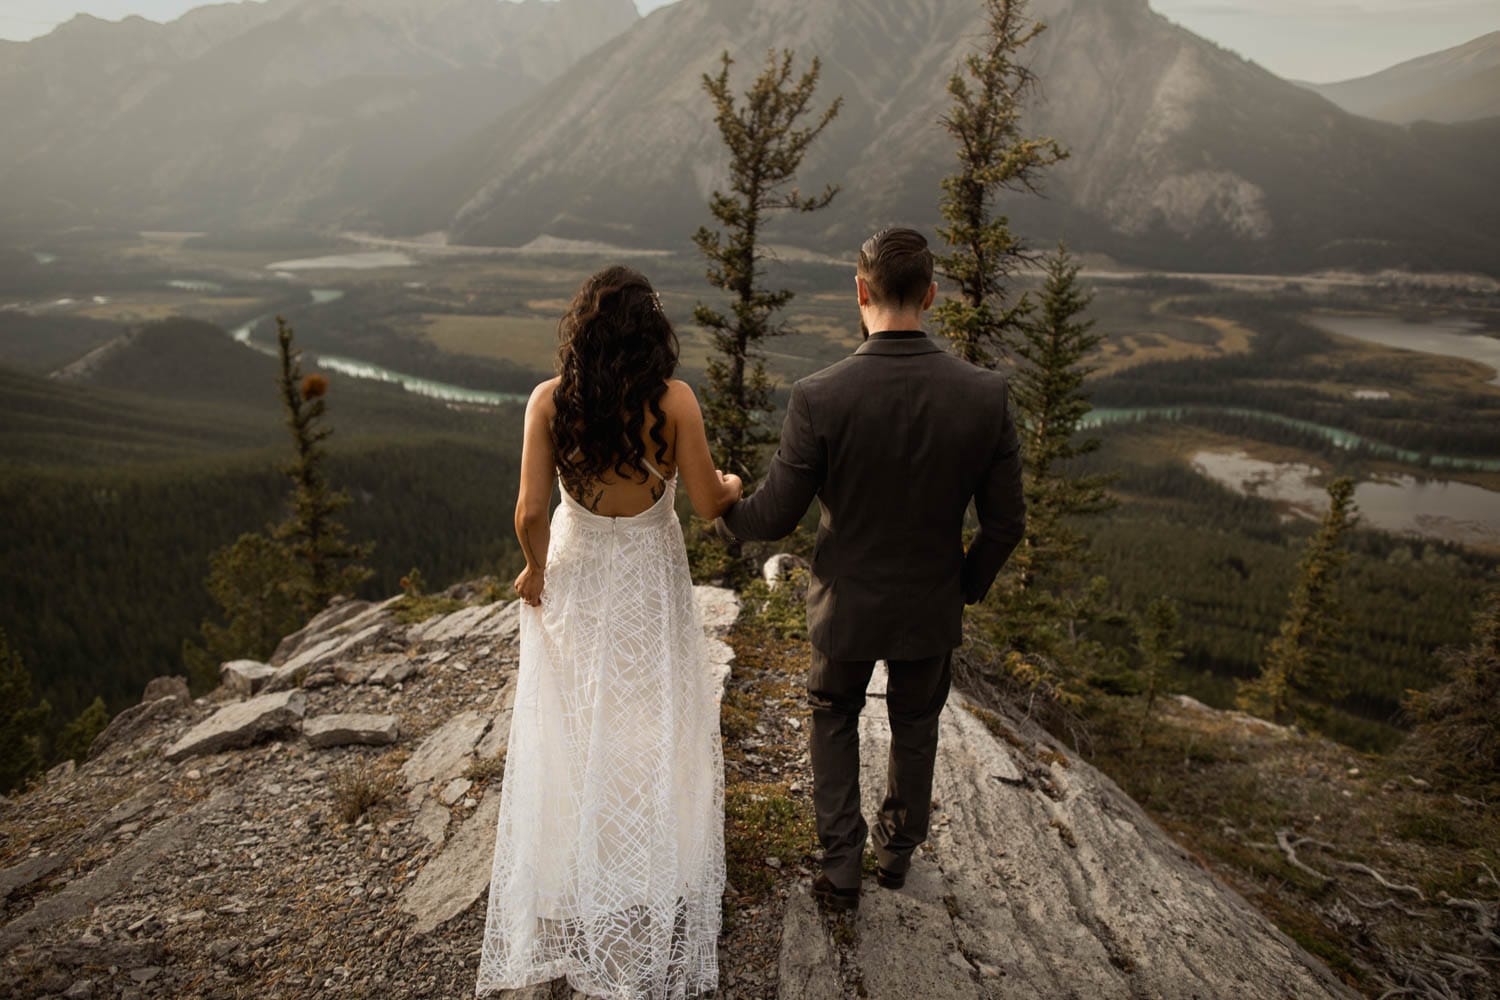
(895, 441)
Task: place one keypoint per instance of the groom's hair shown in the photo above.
(897, 266)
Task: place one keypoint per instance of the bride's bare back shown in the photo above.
(613, 495)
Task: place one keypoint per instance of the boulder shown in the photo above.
(393, 670)
(291, 673)
(343, 729)
(167, 687)
(245, 677)
(450, 882)
(1040, 878)
(339, 612)
(446, 750)
(719, 608)
(242, 724)
(780, 566)
(130, 722)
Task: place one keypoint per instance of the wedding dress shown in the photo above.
(609, 850)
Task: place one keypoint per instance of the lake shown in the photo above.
(1431, 508)
(1455, 338)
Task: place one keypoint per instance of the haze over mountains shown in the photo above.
(281, 113)
(1454, 85)
(484, 120)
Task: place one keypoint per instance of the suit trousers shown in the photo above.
(836, 694)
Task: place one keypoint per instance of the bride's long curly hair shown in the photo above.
(616, 352)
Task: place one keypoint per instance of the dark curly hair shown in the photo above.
(616, 352)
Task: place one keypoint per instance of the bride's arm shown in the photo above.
(538, 468)
(711, 492)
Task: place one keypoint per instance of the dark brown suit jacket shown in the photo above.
(894, 441)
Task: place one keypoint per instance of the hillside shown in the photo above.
(1184, 154)
(1454, 85)
(202, 849)
(287, 112)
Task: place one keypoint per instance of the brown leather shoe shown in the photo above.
(831, 896)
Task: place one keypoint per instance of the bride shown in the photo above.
(609, 850)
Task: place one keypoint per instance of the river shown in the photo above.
(1337, 435)
(355, 368)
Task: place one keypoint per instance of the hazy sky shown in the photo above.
(1317, 40)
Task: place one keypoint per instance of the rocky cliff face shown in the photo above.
(1184, 154)
(202, 850)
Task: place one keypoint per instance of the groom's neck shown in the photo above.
(880, 322)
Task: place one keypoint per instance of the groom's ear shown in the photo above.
(861, 290)
(931, 295)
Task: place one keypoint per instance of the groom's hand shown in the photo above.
(722, 532)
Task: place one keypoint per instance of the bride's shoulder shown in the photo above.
(542, 396)
(679, 396)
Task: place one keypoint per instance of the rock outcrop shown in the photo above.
(218, 849)
(1040, 879)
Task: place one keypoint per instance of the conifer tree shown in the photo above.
(328, 564)
(1044, 600)
(77, 736)
(21, 721)
(268, 585)
(1157, 644)
(253, 583)
(767, 135)
(995, 155)
(1457, 737)
(1300, 674)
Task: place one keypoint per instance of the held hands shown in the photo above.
(733, 487)
(529, 586)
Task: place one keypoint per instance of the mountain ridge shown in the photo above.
(1456, 84)
(1183, 152)
(274, 114)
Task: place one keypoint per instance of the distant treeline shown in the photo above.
(103, 576)
(1230, 561)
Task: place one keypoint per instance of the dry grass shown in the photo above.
(530, 341)
(359, 786)
(1125, 350)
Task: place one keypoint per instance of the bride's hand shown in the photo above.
(529, 586)
(732, 485)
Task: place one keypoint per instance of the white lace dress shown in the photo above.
(609, 851)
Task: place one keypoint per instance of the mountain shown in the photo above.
(1454, 85)
(286, 112)
(1183, 153)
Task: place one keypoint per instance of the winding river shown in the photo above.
(355, 368)
(1337, 435)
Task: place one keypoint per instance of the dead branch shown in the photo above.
(1484, 914)
(1361, 869)
(1386, 904)
(1289, 850)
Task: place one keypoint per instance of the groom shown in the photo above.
(894, 440)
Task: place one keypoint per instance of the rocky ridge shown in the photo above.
(200, 851)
